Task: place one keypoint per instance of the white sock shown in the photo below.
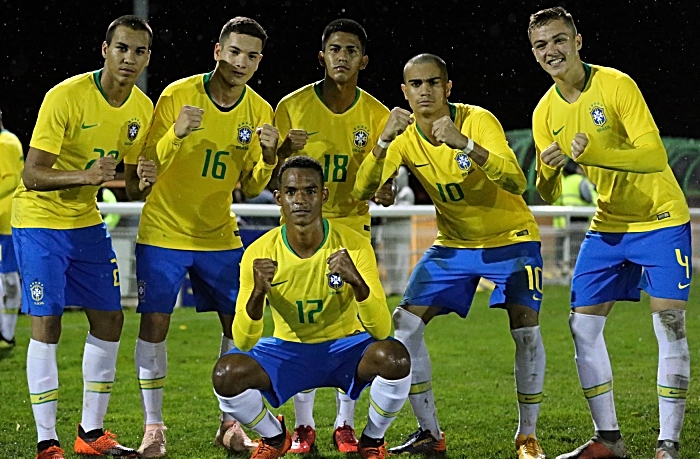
(248, 408)
(151, 367)
(226, 345)
(529, 376)
(386, 397)
(9, 308)
(346, 410)
(674, 371)
(409, 331)
(42, 376)
(304, 408)
(594, 370)
(99, 367)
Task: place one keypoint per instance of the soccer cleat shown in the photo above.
(52, 452)
(234, 438)
(266, 450)
(421, 442)
(372, 451)
(303, 440)
(528, 447)
(667, 449)
(598, 448)
(6, 343)
(153, 444)
(345, 440)
(104, 445)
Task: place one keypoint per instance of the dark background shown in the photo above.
(484, 43)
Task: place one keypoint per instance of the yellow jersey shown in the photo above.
(11, 166)
(309, 304)
(476, 206)
(77, 123)
(189, 206)
(339, 141)
(637, 189)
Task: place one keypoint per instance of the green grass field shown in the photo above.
(472, 378)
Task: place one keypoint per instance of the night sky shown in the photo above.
(484, 43)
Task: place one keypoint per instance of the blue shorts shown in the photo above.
(616, 266)
(73, 267)
(214, 276)
(8, 262)
(295, 367)
(447, 277)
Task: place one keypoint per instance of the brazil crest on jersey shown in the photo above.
(189, 206)
(11, 166)
(613, 114)
(310, 304)
(339, 141)
(77, 123)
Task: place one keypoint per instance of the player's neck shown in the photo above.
(571, 84)
(338, 97)
(115, 92)
(305, 240)
(224, 94)
(425, 122)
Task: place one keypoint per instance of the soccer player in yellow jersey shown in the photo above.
(338, 124)
(210, 132)
(639, 237)
(331, 321)
(85, 127)
(460, 155)
(11, 165)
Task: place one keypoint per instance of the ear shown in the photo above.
(149, 58)
(278, 197)
(403, 89)
(321, 60)
(534, 53)
(325, 194)
(365, 61)
(217, 51)
(448, 89)
(579, 42)
(104, 49)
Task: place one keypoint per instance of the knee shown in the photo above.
(391, 359)
(229, 375)
(522, 316)
(406, 323)
(154, 327)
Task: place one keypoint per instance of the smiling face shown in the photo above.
(342, 57)
(237, 58)
(426, 88)
(127, 55)
(301, 195)
(556, 46)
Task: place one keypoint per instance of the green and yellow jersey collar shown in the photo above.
(207, 79)
(286, 242)
(587, 70)
(96, 75)
(318, 87)
(453, 115)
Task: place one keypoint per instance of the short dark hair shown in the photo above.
(132, 22)
(424, 58)
(244, 26)
(300, 162)
(347, 26)
(544, 17)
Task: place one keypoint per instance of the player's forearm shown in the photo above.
(549, 183)
(256, 180)
(44, 178)
(369, 177)
(248, 323)
(374, 315)
(504, 171)
(134, 184)
(647, 156)
(165, 149)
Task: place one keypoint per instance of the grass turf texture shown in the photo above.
(472, 378)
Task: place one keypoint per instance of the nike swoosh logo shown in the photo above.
(44, 397)
(682, 286)
(278, 283)
(558, 131)
(420, 165)
(673, 392)
(197, 129)
(534, 297)
(530, 399)
(309, 134)
(88, 126)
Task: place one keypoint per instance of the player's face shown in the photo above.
(127, 55)
(556, 47)
(342, 58)
(425, 88)
(238, 58)
(301, 196)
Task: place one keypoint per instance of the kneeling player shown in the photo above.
(331, 321)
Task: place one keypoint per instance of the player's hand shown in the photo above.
(445, 131)
(553, 157)
(578, 145)
(147, 172)
(190, 118)
(103, 170)
(386, 194)
(340, 263)
(297, 139)
(398, 121)
(263, 271)
(268, 141)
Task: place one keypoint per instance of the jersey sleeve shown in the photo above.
(282, 121)
(10, 166)
(52, 122)
(257, 172)
(162, 143)
(502, 166)
(373, 311)
(548, 178)
(246, 331)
